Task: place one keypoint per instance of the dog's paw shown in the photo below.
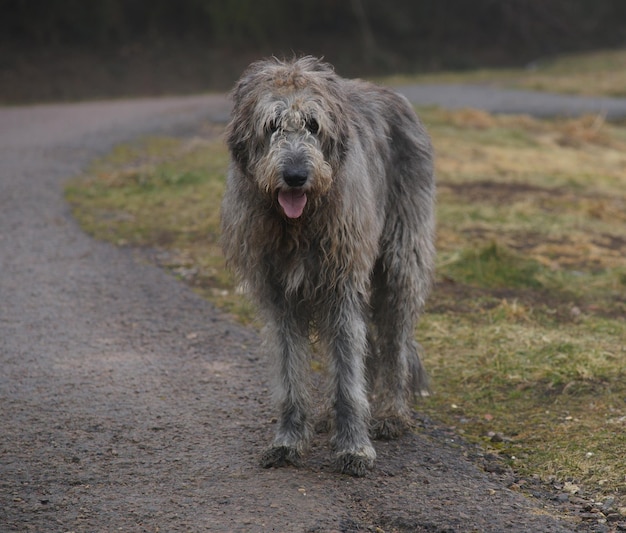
(389, 427)
(277, 456)
(355, 464)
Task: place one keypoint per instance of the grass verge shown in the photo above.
(594, 73)
(525, 334)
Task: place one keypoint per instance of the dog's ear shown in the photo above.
(339, 132)
(238, 131)
(338, 142)
(237, 137)
(248, 80)
(241, 130)
(238, 151)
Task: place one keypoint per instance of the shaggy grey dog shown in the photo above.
(328, 221)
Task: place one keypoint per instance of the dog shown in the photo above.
(328, 221)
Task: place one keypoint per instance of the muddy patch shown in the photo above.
(496, 192)
(450, 296)
(593, 204)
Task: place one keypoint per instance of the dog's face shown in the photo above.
(287, 132)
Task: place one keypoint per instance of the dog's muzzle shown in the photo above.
(295, 175)
(295, 179)
(293, 198)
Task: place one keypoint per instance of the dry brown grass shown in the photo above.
(594, 73)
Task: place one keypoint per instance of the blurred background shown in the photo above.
(76, 49)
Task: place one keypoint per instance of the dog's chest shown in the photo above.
(310, 264)
(302, 271)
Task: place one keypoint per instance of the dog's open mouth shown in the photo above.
(292, 201)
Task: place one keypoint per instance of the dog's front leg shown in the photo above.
(288, 344)
(344, 332)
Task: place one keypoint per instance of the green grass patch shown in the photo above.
(524, 335)
(493, 266)
(551, 391)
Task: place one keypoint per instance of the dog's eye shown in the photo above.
(312, 125)
(272, 126)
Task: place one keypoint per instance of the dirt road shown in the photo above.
(496, 100)
(130, 404)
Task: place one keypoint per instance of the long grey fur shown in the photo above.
(328, 221)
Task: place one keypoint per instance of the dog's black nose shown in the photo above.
(295, 177)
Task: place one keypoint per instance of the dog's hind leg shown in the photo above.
(397, 372)
(402, 278)
(288, 343)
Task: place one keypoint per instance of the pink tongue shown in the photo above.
(292, 202)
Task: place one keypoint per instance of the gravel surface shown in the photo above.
(517, 101)
(130, 404)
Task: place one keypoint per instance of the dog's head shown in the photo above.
(288, 132)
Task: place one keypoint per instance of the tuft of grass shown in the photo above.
(493, 266)
(524, 334)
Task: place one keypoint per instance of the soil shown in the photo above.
(131, 404)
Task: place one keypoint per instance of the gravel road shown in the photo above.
(130, 404)
(497, 100)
